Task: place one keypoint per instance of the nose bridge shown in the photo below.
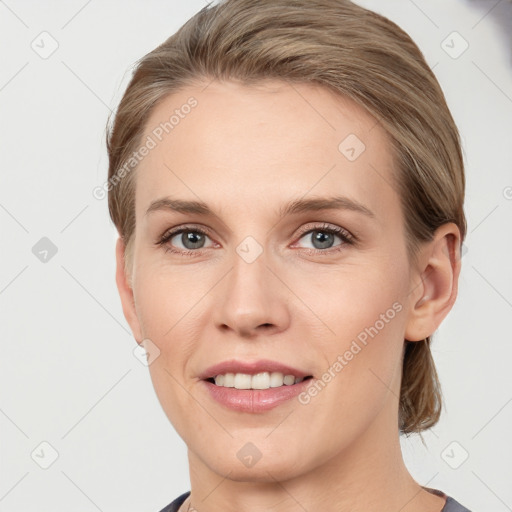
(251, 297)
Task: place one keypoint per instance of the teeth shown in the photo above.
(260, 381)
(263, 380)
(242, 381)
(229, 380)
(276, 379)
(289, 380)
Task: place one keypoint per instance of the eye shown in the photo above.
(185, 240)
(190, 240)
(324, 237)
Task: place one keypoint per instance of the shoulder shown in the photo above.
(451, 504)
(454, 506)
(176, 504)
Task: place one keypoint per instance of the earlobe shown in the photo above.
(435, 285)
(126, 292)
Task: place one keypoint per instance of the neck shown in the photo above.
(368, 476)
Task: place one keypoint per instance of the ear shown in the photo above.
(126, 292)
(435, 282)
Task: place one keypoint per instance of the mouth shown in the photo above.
(253, 386)
(253, 393)
(261, 380)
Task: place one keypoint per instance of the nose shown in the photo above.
(252, 300)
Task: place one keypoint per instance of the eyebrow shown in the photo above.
(293, 207)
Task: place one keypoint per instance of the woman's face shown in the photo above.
(267, 270)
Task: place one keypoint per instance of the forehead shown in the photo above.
(232, 144)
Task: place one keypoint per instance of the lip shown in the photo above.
(251, 368)
(254, 400)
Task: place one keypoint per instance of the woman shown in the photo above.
(287, 183)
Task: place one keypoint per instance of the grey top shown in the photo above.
(454, 506)
(450, 506)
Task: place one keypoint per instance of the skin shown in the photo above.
(245, 151)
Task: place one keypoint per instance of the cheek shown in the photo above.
(360, 381)
(168, 303)
(350, 300)
(166, 298)
(360, 316)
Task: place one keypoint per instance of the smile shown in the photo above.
(262, 380)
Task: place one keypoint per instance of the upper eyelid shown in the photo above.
(325, 226)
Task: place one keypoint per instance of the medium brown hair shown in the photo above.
(343, 47)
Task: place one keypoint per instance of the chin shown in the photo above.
(264, 472)
(246, 464)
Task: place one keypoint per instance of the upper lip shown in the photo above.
(251, 368)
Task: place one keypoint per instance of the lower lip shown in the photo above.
(254, 400)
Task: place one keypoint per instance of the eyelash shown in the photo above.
(345, 236)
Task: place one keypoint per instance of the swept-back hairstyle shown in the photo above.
(350, 50)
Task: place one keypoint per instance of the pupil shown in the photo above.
(323, 239)
(192, 240)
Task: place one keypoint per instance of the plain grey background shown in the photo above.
(80, 424)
